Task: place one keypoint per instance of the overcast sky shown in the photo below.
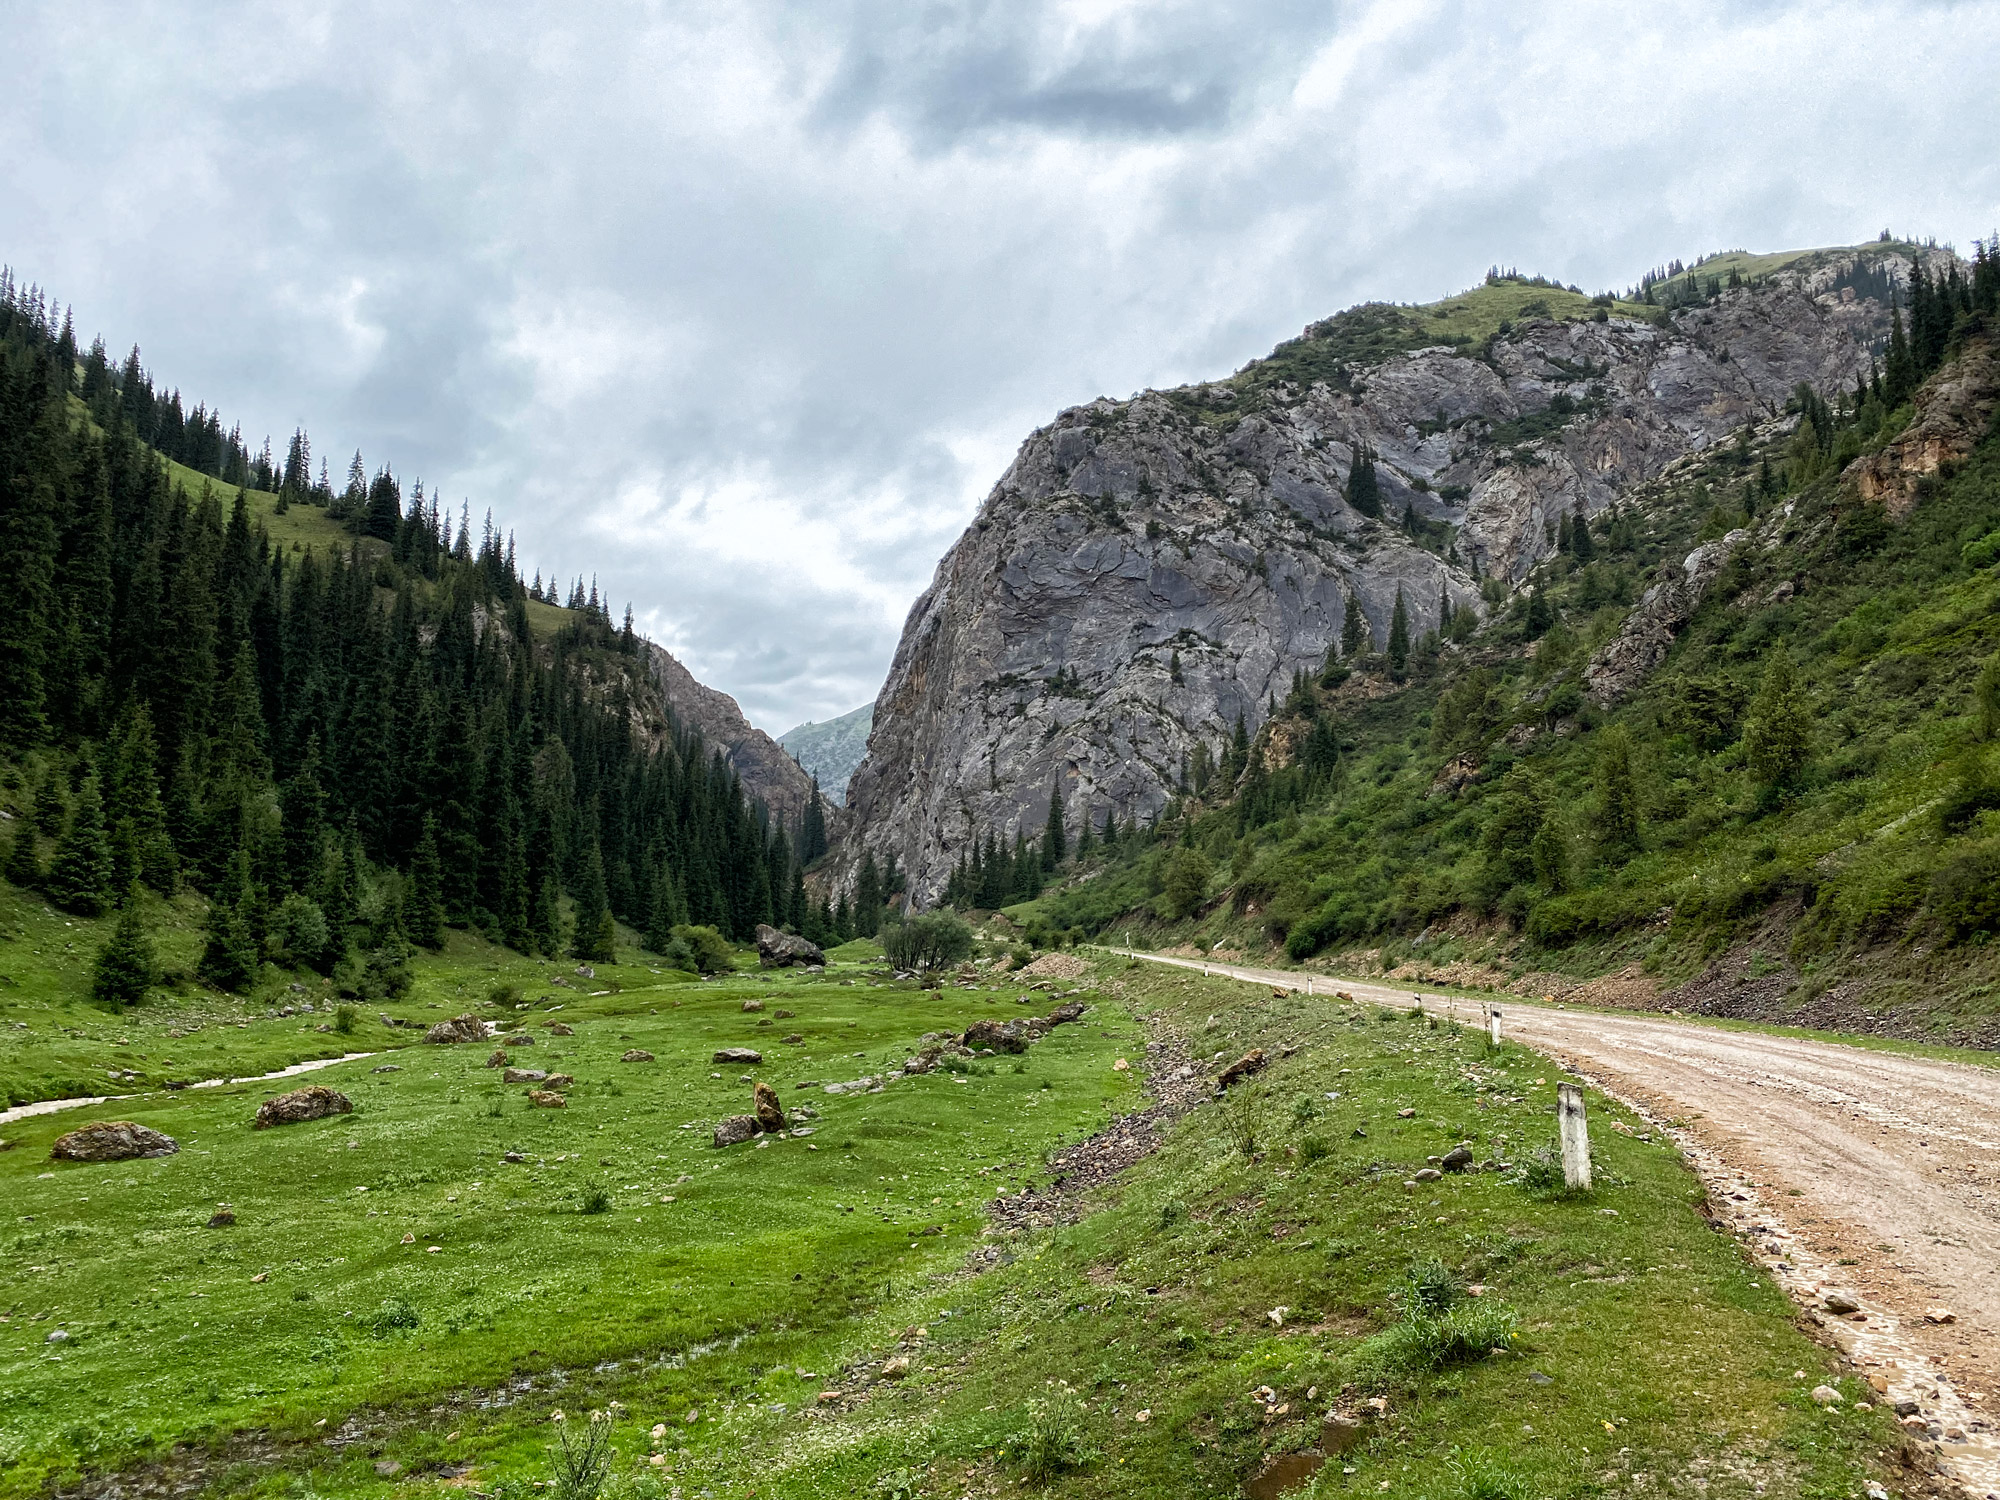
(744, 307)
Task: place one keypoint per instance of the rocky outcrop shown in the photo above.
(767, 772)
(779, 950)
(1148, 572)
(1643, 641)
(1954, 411)
(832, 749)
(112, 1140)
(313, 1102)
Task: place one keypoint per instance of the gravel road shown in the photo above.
(1846, 1169)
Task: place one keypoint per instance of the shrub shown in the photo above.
(708, 949)
(1541, 1171)
(1305, 1109)
(1434, 1285)
(1052, 1443)
(1313, 1148)
(929, 940)
(301, 929)
(594, 1199)
(1965, 891)
(393, 1316)
(1242, 1111)
(343, 1019)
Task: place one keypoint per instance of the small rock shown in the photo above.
(1839, 1302)
(222, 1218)
(1428, 1174)
(896, 1368)
(1121, 1066)
(561, 1081)
(735, 1130)
(523, 1040)
(738, 1055)
(827, 1398)
(547, 1099)
(112, 1140)
(1825, 1395)
(466, 1028)
(769, 1112)
(1939, 1315)
(1404, 1114)
(753, 1004)
(1457, 1159)
(313, 1102)
(557, 1028)
(1244, 1066)
(388, 1468)
(57, 1336)
(523, 1075)
(637, 1054)
(498, 1059)
(260, 1277)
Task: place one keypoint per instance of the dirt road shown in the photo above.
(1870, 1173)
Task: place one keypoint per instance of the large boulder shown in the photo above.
(1001, 1036)
(779, 950)
(467, 1028)
(770, 1114)
(738, 1055)
(112, 1140)
(313, 1102)
(735, 1130)
(1071, 1010)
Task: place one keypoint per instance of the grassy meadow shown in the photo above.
(706, 1299)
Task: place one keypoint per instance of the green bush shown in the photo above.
(1052, 1443)
(1965, 891)
(393, 1316)
(707, 950)
(1423, 1340)
(593, 1199)
(929, 940)
(343, 1019)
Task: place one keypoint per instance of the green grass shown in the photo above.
(723, 1315)
(163, 1311)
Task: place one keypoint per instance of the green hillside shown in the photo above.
(1796, 817)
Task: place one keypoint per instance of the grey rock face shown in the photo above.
(832, 749)
(1147, 571)
(768, 773)
(1643, 641)
(779, 950)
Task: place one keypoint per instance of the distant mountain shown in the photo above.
(832, 750)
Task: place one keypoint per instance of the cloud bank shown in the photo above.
(743, 307)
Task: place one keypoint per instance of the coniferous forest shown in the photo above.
(345, 748)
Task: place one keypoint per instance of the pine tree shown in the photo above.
(1364, 492)
(1540, 615)
(423, 913)
(1899, 377)
(1353, 629)
(24, 865)
(80, 875)
(868, 897)
(125, 967)
(545, 922)
(593, 908)
(1777, 732)
(1399, 635)
(1580, 544)
(1055, 841)
(229, 949)
(1617, 795)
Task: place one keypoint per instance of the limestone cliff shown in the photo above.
(767, 772)
(1147, 571)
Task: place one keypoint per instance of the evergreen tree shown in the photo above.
(1364, 492)
(229, 949)
(1777, 734)
(593, 909)
(24, 865)
(1540, 616)
(1617, 795)
(80, 876)
(1055, 842)
(423, 913)
(1399, 635)
(812, 829)
(1353, 629)
(1899, 375)
(545, 922)
(125, 967)
(1580, 544)
(868, 897)
(142, 847)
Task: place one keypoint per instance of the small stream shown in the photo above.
(51, 1106)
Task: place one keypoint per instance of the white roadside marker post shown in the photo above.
(1575, 1137)
(1493, 1026)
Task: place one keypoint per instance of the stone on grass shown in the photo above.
(735, 1130)
(498, 1059)
(779, 950)
(1072, 1011)
(224, 1217)
(557, 1028)
(112, 1140)
(1457, 1159)
(1249, 1063)
(561, 1081)
(523, 1075)
(856, 1086)
(1428, 1174)
(738, 1055)
(770, 1114)
(547, 1099)
(466, 1028)
(896, 1368)
(637, 1054)
(313, 1102)
(1001, 1036)
(1825, 1395)
(523, 1040)
(753, 1004)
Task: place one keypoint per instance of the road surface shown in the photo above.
(1868, 1172)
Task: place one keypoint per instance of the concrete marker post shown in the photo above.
(1575, 1137)
(1493, 1025)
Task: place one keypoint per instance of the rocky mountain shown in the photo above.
(833, 749)
(1149, 572)
(767, 772)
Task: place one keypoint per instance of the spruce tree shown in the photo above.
(136, 812)
(1617, 809)
(423, 913)
(868, 897)
(1364, 493)
(545, 922)
(80, 875)
(1777, 733)
(1399, 635)
(229, 951)
(1055, 842)
(24, 865)
(593, 908)
(1540, 615)
(1353, 629)
(1580, 543)
(125, 967)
